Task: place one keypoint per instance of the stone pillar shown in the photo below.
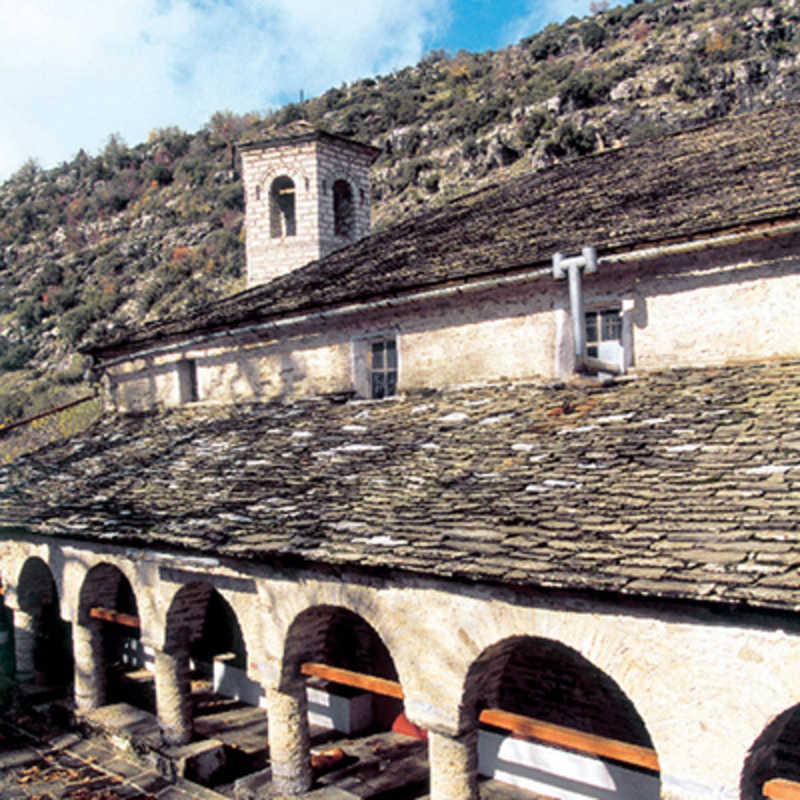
(289, 747)
(24, 643)
(174, 696)
(454, 766)
(90, 672)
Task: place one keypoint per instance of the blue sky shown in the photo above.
(73, 73)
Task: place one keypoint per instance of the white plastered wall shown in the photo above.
(700, 309)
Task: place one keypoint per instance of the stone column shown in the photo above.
(289, 747)
(174, 696)
(90, 672)
(24, 643)
(454, 766)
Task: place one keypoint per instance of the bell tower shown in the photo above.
(307, 193)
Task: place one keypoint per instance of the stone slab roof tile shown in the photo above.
(684, 484)
(734, 172)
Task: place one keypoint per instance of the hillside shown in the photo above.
(141, 232)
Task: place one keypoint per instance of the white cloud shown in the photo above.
(75, 72)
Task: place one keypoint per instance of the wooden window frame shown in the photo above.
(383, 371)
(597, 319)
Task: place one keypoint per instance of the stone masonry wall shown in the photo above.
(673, 315)
(337, 161)
(705, 686)
(267, 256)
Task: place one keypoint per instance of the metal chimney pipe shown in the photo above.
(571, 268)
(578, 314)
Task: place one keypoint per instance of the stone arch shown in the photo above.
(202, 640)
(774, 754)
(282, 205)
(106, 649)
(344, 220)
(200, 618)
(356, 706)
(545, 680)
(342, 638)
(42, 638)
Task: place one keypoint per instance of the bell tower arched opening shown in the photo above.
(282, 221)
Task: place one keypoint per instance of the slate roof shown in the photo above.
(680, 484)
(736, 172)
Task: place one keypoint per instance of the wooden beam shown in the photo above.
(109, 615)
(781, 789)
(515, 723)
(575, 740)
(358, 680)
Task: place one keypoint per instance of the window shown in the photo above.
(343, 211)
(187, 379)
(281, 208)
(604, 335)
(383, 368)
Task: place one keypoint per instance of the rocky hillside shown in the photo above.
(143, 231)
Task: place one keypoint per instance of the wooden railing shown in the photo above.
(547, 732)
(569, 737)
(109, 615)
(358, 680)
(781, 789)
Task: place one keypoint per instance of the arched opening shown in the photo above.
(343, 209)
(43, 640)
(551, 722)
(223, 702)
(359, 733)
(112, 664)
(282, 207)
(773, 757)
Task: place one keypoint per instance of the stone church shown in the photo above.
(512, 487)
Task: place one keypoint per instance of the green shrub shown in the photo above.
(14, 356)
(592, 35)
(75, 323)
(587, 88)
(12, 406)
(160, 174)
(531, 128)
(50, 274)
(569, 140)
(61, 298)
(30, 313)
(692, 82)
(431, 183)
(409, 171)
(290, 113)
(232, 196)
(545, 44)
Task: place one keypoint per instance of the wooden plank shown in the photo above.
(781, 789)
(109, 615)
(515, 723)
(357, 680)
(568, 737)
